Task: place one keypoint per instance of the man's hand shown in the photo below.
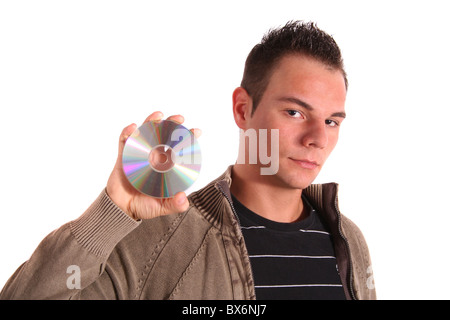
(130, 200)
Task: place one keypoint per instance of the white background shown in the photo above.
(74, 73)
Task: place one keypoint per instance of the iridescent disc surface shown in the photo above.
(161, 158)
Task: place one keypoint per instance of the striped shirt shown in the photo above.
(290, 260)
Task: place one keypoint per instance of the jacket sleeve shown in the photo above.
(72, 257)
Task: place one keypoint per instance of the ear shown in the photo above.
(242, 107)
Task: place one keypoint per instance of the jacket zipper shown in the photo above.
(231, 204)
(350, 272)
(238, 221)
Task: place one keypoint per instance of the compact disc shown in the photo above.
(161, 158)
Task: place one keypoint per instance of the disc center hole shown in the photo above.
(161, 158)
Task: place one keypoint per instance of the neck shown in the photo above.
(265, 196)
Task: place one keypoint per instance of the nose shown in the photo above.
(315, 136)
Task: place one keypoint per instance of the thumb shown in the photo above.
(179, 203)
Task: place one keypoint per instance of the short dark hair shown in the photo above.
(296, 37)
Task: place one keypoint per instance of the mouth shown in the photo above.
(306, 164)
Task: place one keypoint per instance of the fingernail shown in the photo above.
(181, 200)
(159, 115)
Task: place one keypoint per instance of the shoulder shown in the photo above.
(353, 233)
(360, 257)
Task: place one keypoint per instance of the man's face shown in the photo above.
(305, 101)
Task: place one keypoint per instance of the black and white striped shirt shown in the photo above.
(290, 260)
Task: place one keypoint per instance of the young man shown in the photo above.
(245, 235)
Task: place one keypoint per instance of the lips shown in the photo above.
(306, 164)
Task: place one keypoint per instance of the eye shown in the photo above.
(294, 113)
(332, 123)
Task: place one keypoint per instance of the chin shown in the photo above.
(300, 180)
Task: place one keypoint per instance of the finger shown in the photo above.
(126, 132)
(176, 118)
(196, 132)
(155, 116)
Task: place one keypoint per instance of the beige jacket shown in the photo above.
(198, 254)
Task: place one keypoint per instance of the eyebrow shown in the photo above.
(308, 107)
